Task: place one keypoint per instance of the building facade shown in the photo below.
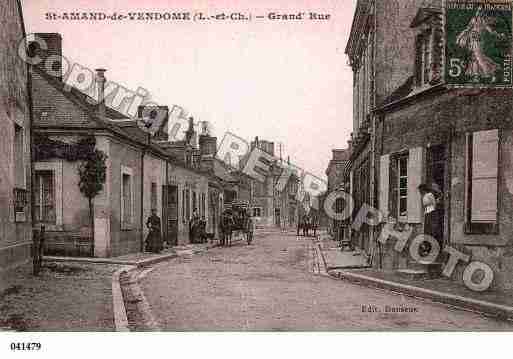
(422, 130)
(274, 201)
(15, 143)
(336, 182)
(142, 173)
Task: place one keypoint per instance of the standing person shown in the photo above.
(432, 220)
(193, 224)
(154, 239)
(250, 228)
(306, 224)
(298, 225)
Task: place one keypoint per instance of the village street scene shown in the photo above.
(123, 213)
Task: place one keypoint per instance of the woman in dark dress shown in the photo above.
(154, 240)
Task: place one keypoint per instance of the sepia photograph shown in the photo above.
(233, 167)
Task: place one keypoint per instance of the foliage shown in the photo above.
(92, 172)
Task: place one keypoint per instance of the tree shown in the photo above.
(92, 173)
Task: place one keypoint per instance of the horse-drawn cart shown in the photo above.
(235, 222)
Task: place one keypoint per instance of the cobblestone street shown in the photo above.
(272, 285)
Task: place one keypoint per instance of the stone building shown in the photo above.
(336, 182)
(418, 129)
(274, 203)
(141, 173)
(15, 143)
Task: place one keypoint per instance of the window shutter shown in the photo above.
(414, 180)
(418, 60)
(384, 184)
(485, 160)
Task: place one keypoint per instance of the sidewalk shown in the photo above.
(337, 259)
(138, 259)
(71, 294)
(494, 303)
(64, 297)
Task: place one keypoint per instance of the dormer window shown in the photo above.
(423, 58)
(428, 46)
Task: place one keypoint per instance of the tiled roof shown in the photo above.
(126, 129)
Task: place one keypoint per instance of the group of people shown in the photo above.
(197, 228)
(305, 224)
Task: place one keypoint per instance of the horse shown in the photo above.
(306, 227)
(226, 228)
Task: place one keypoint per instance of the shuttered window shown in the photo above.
(153, 196)
(400, 175)
(415, 169)
(126, 204)
(44, 195)
(482, 181)
(384, 184)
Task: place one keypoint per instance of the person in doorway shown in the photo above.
(202, 230)
(432, 222)
(250, 228)
(154, 239)
(193, 226)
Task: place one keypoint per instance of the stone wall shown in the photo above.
(15, 236)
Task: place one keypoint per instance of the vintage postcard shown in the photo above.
(255, 166)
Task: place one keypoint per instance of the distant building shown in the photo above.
(15, 142)
(337, 166)
(274, 203)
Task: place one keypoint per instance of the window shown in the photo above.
(44, 197)
(183, 205)
(187, 204)
(153, 196)
(339, 205)
(127, 197)
(482, 182)
(19, 157)
(402, 186)
(400, 174)
(257, 212)
(203, 205)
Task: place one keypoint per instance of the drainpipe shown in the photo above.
(100, 85)
(145, 148)
(165, 204)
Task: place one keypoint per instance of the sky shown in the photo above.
(284, 81)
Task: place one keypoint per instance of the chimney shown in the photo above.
(207, 145)
(48, 46)
(100, 83)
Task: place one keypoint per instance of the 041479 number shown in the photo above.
(25, 346)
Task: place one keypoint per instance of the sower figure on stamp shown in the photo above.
(154, 239)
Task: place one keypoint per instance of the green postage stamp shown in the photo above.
(478, 43)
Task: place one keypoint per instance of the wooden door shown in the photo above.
(171, 213)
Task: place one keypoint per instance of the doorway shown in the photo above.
(277, 217)
(436, 172)
(170, 195)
